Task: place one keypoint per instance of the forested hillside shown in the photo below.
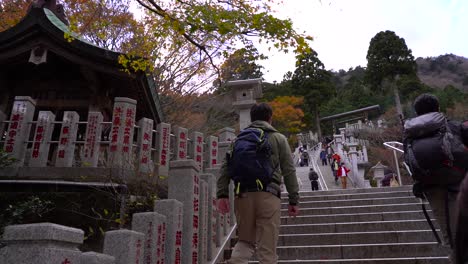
(444, 70)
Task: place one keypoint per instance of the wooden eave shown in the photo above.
(40, 27)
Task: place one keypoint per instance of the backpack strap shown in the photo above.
(428, 219)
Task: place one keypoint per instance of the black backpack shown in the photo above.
(433, 153)
(249, 162)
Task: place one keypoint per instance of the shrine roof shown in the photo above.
(42, 27)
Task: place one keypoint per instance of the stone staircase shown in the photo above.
(374, 225)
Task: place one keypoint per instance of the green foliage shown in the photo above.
(387, 57)
(449, 96)
(240, 65)
(24, 211)
(311, 80)
(6, 159)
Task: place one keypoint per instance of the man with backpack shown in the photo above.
(259, 158)
(313, 177)
(437, 156)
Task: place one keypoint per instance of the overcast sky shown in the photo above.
(342, 29)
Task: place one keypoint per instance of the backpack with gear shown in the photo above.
(432, 152)
(249, 162)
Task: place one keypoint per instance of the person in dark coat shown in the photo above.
(461, 218)
(323, 157)
(313, 177)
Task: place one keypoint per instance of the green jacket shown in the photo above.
(281, 155)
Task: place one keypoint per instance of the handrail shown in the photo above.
(224, 244)
(393, 145)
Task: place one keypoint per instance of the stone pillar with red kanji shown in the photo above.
(145, 139)
(66, 144)
(184, 186)
(121, 134)
(218, 218)
(226, 137)
(163, 144)
(19, 128)
(90, 153)
(41, 139)
(126, 246)
(172, 209)
(181, 146)
(197, 149)
(203, 222)
(153, 225)
(212, 213)
(212, 152)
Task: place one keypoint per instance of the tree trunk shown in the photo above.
(317, 120)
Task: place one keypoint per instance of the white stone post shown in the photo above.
(211, 213)
(126, 246)
(42, 243)
(19, 128)
(163, 143)
(203, 223)
(96, 258)
(121, 135)
(90, 153)
(184, 186)
(359, 181)
(153, 225)
(197, 149)
(212, 151)
(145, 139)
(181, 146)
(226, 137)
(41, 140)
(66, 145)
(172, 209)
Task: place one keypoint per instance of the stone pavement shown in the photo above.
(326, 178)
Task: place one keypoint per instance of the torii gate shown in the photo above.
(362, 112)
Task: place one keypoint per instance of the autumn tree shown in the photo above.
(287, 114)
(312, 81)
(11, 12)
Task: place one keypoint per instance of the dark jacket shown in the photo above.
(313, 176)
(323, 154)
(281, 155)
(461, 238)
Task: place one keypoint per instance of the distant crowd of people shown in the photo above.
(329, 157)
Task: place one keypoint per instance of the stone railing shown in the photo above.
(93, 143)
(185, 228)
(353, 157)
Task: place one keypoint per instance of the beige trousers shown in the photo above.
(436, 197)
(258, 221)
(343, 181)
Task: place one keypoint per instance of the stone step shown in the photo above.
(357, 209)
(417, 260)
(362, 251)
(409, 236)
(371, 226)
(354, 217)
(355, 202)
(407, 188)
(371, 195)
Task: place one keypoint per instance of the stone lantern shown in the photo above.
(379, 173)
(245, 93)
